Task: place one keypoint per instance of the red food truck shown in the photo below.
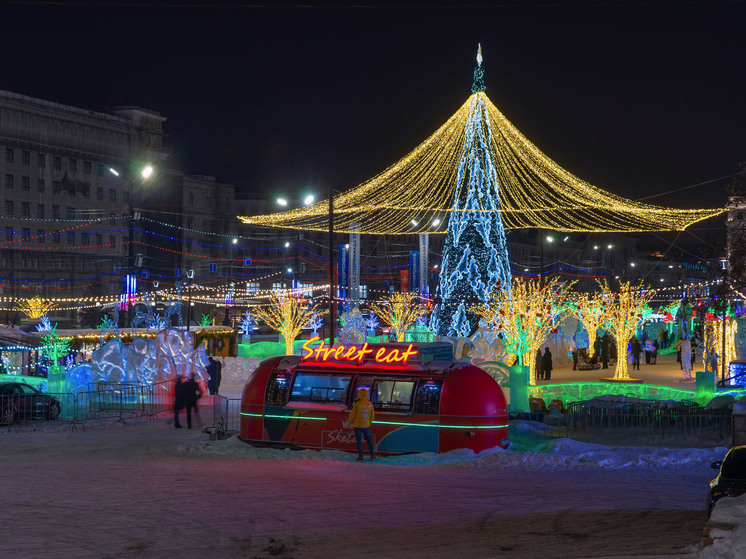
(424, 401)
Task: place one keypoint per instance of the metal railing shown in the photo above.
(639, 421)
(112, 401)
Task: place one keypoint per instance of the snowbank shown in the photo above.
(554, 454)
(727, 543)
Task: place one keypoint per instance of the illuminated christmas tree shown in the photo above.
(475, 254)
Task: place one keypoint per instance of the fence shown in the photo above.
(600, 419)
(112, 401)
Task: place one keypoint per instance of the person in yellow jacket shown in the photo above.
(360, 418)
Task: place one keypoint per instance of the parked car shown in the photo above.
(731, 481)
(21, 402)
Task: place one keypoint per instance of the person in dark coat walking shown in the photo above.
(636, 349)
(178, 400)
(191, 392)
(538, 367)
(214, 368)
(546, 364)
(605, 350)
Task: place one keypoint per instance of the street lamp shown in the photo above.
(156, 283)
(190, 277)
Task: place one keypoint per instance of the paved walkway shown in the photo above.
(666, 372)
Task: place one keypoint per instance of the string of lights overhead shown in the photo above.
(416, 194)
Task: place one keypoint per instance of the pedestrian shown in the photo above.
(605, 350)
(191, 392)
(538, 369)
(636, 349)
(649, 350)
(178, 400)
(596, 348)
(214, 372)
(361, 417)
(546, 364)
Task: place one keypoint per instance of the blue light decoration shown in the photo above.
(475, 254)
(247, 324)
(149, 318)
(44, 324)
(130, 292)
(316, 322)
(353, 330)
(371, 323)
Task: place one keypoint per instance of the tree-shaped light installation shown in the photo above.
(525, 316)
(247, 324)
(717, 326)
(35, 308)
(624, 315)
(475, 254)
(591, 311)
(399, 311)
(288, 315)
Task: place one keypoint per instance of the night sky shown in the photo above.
(639, 98)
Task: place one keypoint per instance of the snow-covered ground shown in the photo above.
(145, 489)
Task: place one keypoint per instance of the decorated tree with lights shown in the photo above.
(592, 312)
(625, 313)
(399, 311)
(475, 254)
(288, 315)
(719, 323)
(247, 324)
(525, 316)
(35, 308)
(53, 347)
(44, 324)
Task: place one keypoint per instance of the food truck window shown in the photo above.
(325, 389)
(392, 394)
(427, 399)
(277, 389)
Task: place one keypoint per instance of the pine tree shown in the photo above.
(475, 255)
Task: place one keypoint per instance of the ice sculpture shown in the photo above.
(144, 361)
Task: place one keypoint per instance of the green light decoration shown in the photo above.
(377, 422)
(55, 347)
(205, 320)
(106, 323)
(582, 391)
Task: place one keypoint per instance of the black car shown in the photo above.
(21, 402)
(731, 481)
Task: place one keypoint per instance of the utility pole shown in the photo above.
(332, 279)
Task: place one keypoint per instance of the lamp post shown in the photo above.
(190, 277)
(133, 261)
(332, 282)
(156, 283)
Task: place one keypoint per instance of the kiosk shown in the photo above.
(424, 401)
